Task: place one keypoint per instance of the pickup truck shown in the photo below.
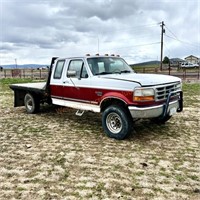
(107, 85)
(189, 65)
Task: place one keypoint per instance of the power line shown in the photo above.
(167, 49)
(171, 32)
(187, 43)
(136, 38)
(177, 39)
(140, 26)
(147, 44)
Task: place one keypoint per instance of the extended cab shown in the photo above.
(107, 85)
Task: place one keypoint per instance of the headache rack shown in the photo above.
(163, 91)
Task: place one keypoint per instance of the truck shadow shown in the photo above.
(143, 130)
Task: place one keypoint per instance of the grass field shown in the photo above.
(57, 155)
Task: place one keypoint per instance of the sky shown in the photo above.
(33, 31)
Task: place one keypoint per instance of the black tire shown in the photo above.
(162, 120)
(117, 122)
(32, 105)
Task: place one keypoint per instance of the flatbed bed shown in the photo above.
(39, 91)
(41, 86)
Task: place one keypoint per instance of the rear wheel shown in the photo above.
(31, 103)
(116, 122)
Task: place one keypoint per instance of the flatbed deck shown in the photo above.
(35, 87)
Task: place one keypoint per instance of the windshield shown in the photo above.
(108, 65)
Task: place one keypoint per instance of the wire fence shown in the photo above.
(24, 73)
(185, 74)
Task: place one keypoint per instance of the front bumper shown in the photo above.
(168, 108)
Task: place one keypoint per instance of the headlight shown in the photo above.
(179, 86)
(142, 94)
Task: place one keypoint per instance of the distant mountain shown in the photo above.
(153, 62)
(25, 66)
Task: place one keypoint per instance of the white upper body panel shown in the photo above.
(116, 80)
(142, 79)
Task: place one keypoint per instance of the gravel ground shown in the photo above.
(57, 155)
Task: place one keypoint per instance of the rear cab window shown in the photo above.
(59, 69)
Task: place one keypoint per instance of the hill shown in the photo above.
(146, 64)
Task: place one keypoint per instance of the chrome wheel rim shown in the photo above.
(29, 104)
(114, 123)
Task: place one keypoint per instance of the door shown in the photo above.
(76, 86)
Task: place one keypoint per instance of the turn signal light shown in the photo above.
(143, 98)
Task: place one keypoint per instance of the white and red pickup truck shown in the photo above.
(107, 85)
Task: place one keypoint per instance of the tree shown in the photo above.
(166, 60)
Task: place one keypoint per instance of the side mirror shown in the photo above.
(71, 73)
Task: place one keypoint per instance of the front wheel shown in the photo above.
(32, 104)
(116, 122)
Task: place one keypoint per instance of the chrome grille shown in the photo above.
(163, 91)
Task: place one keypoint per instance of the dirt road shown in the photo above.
(57, 155)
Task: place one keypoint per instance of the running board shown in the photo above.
(80, 112)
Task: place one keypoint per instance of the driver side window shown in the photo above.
(78, 66)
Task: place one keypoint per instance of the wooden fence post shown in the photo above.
(185, 74)
(32, 73)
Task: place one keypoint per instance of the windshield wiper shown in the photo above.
(103, 73)
(125, 71)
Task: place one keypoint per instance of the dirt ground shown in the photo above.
(58, 155)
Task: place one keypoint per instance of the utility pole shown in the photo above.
(161, 48)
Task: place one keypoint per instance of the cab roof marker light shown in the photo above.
(97, 54)
(87, 54)
(106, 54)
(112, 54)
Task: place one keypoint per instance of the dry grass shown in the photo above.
(57, 155)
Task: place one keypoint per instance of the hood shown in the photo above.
(143, 79)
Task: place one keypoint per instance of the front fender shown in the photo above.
(125, 97)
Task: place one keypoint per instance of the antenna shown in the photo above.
(98, 45)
